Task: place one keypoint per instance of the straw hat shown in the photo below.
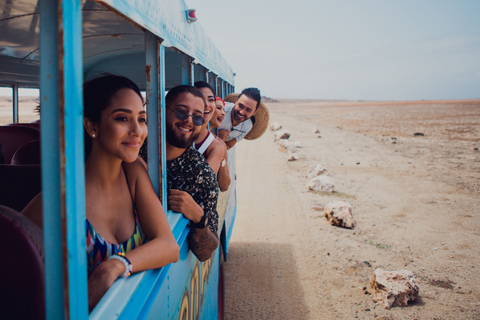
(260, 119)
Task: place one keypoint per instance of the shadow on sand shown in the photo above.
(262, 282)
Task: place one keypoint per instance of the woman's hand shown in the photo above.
(101, 279)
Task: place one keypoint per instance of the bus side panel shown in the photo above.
(209, 303)
(231, 208)
(165, 305)
(190, 290)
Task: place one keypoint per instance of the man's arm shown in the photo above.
(231, 143)
(223, 134)
(202, 242)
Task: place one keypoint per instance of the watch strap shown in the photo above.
(201, 224)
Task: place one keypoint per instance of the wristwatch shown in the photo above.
(201, 224)
(223, 163)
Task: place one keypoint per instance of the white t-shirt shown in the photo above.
(238, 132)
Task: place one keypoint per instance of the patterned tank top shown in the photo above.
(99, 249)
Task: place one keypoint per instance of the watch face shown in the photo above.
(201, 224)
(206, 222)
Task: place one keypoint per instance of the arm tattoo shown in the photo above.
(202, 242)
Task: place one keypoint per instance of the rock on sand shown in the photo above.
(321, 183)
(339, 213)
(315, 170)
(393, 287)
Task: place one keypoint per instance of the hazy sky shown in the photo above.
(349, 49)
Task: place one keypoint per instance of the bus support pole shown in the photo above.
(152, 93)
(155, 73)
(15, 103)
(63, 175)
(192, 72)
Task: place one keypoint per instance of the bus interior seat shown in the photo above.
(13, 137)
(34, 125)
(2, 159)
(22, 294)
(19, 184)
(29, 153)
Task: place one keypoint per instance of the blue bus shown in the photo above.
(54, 45)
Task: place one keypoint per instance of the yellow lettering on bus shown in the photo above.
(194, 292)
(184, 311)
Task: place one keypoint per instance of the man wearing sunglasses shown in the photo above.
(191, 183)
(237, 122)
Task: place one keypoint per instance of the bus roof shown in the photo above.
(113, 33)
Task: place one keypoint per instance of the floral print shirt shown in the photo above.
(191, 173)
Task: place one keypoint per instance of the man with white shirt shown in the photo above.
(237, 122)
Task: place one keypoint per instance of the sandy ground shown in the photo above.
(416, 203)
(26, 106)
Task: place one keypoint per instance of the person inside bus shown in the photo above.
(212, 148)
(191, 183)
(223, 176)
(237, 122)
(122, 209)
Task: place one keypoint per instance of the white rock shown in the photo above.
(393, 287)
(298, 144)
(321, 183)
(274, 126)
(315, 170)
(286, 145)
(281, 134)
(339, 213)
(292, 157)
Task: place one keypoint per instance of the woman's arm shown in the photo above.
(215, 156)
(162, 248)
(223, 175)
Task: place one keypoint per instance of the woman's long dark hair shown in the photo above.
(97, 96)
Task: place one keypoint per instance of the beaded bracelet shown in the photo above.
(128, 265)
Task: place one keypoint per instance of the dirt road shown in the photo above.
(416, 202)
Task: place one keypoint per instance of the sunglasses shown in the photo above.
(181, 114)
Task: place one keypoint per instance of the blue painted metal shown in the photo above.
(155, 62)
(152, 95)
(49, 113)
(191, 289)
(161, 77)
(62, 162)
(192, 73)
(74, 180)
(15, 103)
(231, 209)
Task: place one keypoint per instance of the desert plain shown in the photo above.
(410, 170)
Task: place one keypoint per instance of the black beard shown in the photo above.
(176, 141)
(235, 116)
